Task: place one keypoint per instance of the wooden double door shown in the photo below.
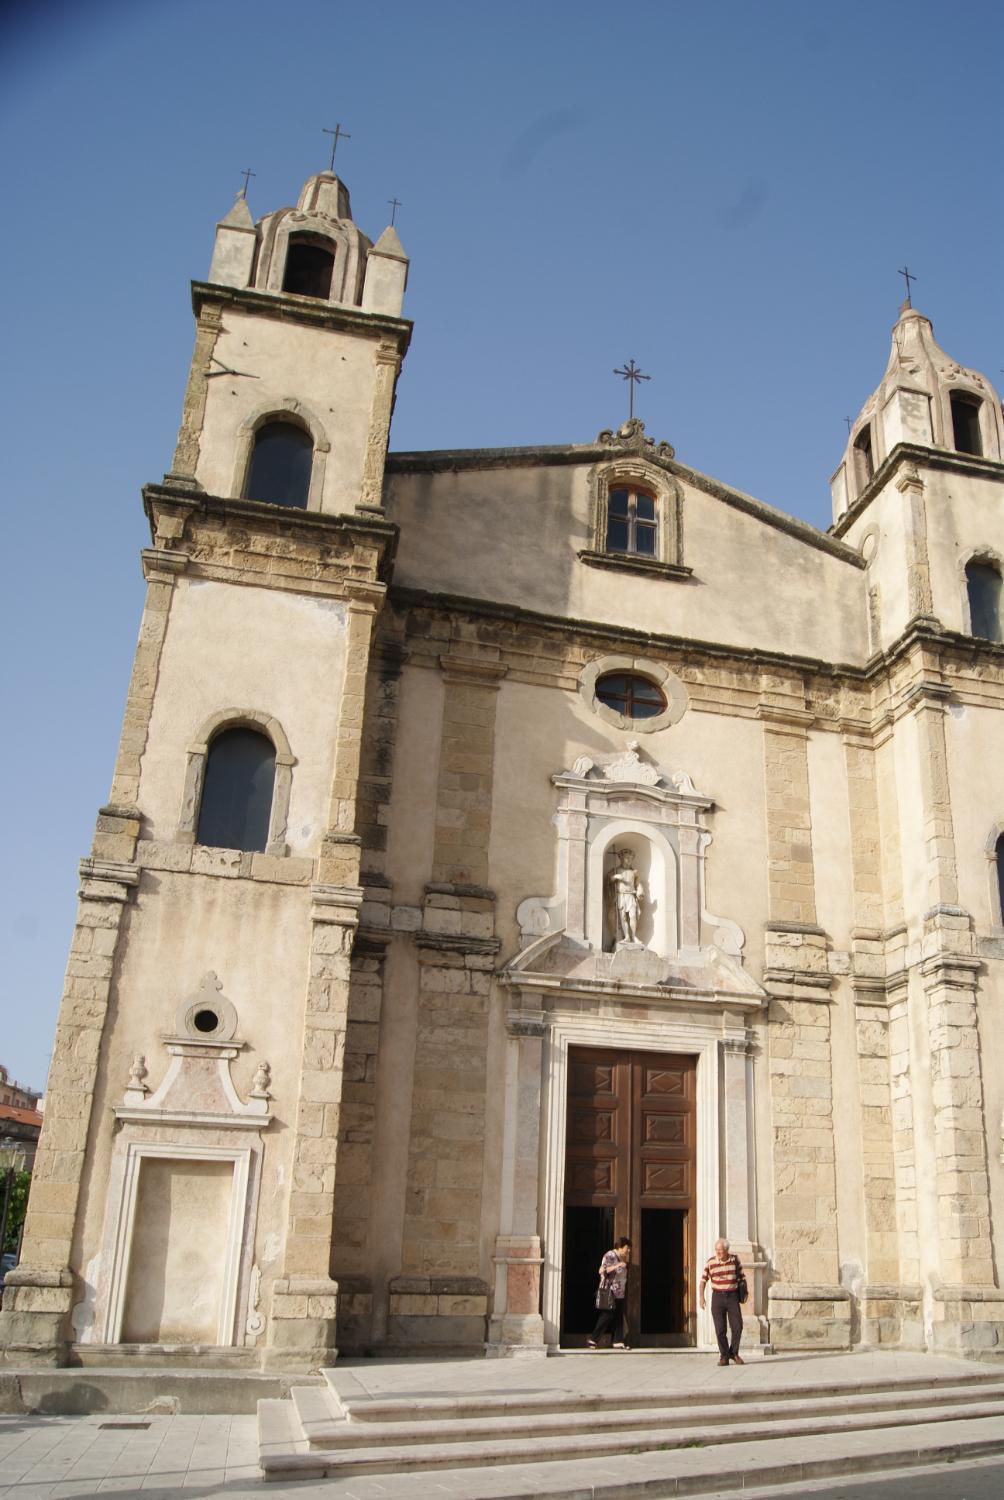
(630, 1170)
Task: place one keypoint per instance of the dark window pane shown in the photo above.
(618, 503)
(1000, 871)
(644, 507)
(863, 449)
(308, 268)
(983, 583)
(237, 791)
(613, 691)
(629, 694)
(280, 465)
(644, 540)
(617, 535)
(966, 425)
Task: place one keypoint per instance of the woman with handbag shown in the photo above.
(610, 1295)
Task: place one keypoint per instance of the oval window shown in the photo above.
(630, 694)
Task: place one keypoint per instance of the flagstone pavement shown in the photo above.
(214, 1457)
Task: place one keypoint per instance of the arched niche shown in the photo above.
(657, 867)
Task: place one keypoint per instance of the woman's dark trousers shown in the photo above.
(725, 1307)
(611, 1319)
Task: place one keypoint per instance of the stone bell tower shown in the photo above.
(183, 1192)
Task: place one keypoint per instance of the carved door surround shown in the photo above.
(681, 990)
(195, 1116)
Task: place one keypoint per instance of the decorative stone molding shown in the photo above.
(631, 435)
(193, 1119)
(677, 700)
(195, 773)
(629, 468)
(278, 410)
(627, 803)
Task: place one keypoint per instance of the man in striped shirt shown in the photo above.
(723, 1271)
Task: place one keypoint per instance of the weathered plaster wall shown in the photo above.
(279, 653)
(513, 535)
(255, 935)
(328, 375)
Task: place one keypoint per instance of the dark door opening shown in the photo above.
(629, 1170)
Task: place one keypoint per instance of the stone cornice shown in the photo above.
(928, 458)
(308, 311)
(194, 500)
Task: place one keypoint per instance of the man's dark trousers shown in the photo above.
(725, 1307)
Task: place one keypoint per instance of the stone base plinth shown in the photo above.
(302, 1328)
(442, 1312)
(892, 1317)
(35, 1320)
(969, 1322)
(809, 1317)
(516, 1335)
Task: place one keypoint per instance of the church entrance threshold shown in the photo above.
(630, 1170)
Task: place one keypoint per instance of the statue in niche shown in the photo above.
(628, 894)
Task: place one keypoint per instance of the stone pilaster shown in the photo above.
(302, 1328)
(516, 1326)
(456, 952)
(40, 1292)
(806, 1305)
(388, 365)
(207, 331)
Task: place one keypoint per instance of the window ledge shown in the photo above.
(628, 563)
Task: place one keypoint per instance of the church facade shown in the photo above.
(509, 849)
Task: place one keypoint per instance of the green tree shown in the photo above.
(18, 1209)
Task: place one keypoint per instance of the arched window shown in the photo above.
(309, 265)
(280, 465)
(983, 584)
(630, 694)
(863, 455)
(632, 522)
(237, 791)
(966, 423)
(999, 865)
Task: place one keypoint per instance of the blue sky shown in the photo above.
(722, 192)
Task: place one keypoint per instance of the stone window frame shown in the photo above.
(970, 396)
(993, 879)
(991, 558)
(635, 473)
(298, 414)
(195, 774)
(672, 689)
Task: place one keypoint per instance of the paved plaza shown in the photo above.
(48, 1458)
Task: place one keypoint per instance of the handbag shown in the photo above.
(604, 1298)
(742, 1286)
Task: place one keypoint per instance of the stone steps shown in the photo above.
(315, 1436)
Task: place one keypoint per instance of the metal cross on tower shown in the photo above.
(338, 134)
(908, 276)
(850, 424)
(631, 373)
(395, 204)
(247, 174)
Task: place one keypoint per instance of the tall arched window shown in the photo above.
(983, 584)
(237, 791)
(966, 423)
(863, 455)
(280, 465)
(309, 266)
(999, 863)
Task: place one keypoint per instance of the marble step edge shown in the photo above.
(751, 1465)
(465, 1455)
(323, 1427)
(404, 1409)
